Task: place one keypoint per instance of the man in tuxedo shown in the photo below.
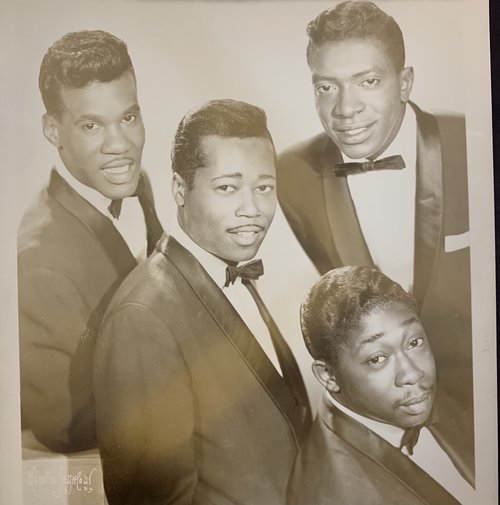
(199, 399)
(385, 434)
(385, 184)
(74, 247)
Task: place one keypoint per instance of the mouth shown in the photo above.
(246, 234)
(119, 171)
(354, 134)
(416, 404)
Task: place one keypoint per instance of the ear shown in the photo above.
(405, 83)
(323, 372)
(179, 188)
(50, 130)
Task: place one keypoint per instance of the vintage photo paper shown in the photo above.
(184, 54)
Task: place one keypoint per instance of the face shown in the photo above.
(232, 202)
(100, 135)
(360, 96)
(386, 370)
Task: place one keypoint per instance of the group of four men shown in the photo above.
(173, 365)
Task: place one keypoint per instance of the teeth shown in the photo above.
(354, 132)
(244, 233)
(118, 170)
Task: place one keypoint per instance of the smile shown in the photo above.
(246, 235)
(354, 134)
(120, 171)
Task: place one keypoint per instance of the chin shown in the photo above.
(119, 191)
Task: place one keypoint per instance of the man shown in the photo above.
(72, 252)
(199, 399)
(350, 201)
(384, 433)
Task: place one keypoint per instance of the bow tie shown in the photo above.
(115, 207)
(410, 439)
(390, 163)
(252, 270)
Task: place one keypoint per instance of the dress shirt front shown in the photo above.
(131, 223)
(237, 294)
(385, 206)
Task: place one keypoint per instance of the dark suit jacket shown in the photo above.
(320, 210)
(190, 410)
(70, 260)
(343, 462)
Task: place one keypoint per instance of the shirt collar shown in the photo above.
(98, 200)
(405, 142)
(213, 265)
(389, 432)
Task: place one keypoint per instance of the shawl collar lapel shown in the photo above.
(234, 329)
(428, 200)
(344, 225)
(391, 459)
(97, 224)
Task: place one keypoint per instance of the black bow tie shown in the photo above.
(252, 270)
(390, 163)
(410, 438)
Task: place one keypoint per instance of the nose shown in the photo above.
(348, 103)
(407, 371)
(115, 141)
(247, 206)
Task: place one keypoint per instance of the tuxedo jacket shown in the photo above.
(70, 260)
(344, 462)
(320, 210)
(190, 410)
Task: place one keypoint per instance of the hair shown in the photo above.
(337, 302)
(224, 118)
(80, 58)
(357, 20)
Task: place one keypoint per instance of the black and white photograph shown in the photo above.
(249, 253)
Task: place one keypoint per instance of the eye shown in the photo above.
(325, 88)
(376, 360)
(264, 188)
(370, 82)
(416, 342)
(225, 188)
(90, 126)
(130, 118)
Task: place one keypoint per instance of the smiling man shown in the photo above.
(73, 247)
(385, 184)
(199, 398)
(385, 434)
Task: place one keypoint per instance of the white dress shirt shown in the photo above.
(131, 224)
(237, 294)
(385, 206)
(427, 453)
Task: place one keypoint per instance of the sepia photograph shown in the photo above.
(249, 253)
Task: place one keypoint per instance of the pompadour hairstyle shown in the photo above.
(335, 304)
(80, 58)
(224, 118)
(357, 20)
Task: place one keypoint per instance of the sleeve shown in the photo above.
(55, 361)
(145, 414)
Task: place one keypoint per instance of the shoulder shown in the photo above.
(307, 151)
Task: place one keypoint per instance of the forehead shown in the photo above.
(250, 155)
(388, 325)
(100, 97)
(346, 58)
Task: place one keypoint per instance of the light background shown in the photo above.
(186, 53)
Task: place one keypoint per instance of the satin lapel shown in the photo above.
(391, 459)
(234, 328)
(97, 224)
(428, 200)
(344, 225)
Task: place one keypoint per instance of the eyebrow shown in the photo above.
(376, 336)
(379, 70)
(133, 109)
(238, 175)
